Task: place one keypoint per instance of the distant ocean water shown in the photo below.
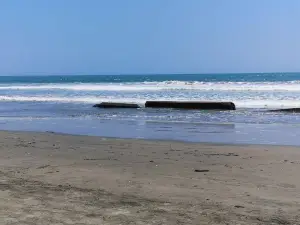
(64, 104)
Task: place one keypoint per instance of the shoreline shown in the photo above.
(151, 139)
(50, 178)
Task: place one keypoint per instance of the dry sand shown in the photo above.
(49, 178)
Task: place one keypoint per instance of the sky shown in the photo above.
(42, 37)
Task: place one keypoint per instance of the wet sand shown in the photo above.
(48, 178)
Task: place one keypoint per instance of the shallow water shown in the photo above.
(64, 104)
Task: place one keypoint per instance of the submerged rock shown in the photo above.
(290, 110)
(116, 105)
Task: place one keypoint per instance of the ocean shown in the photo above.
(64, 104)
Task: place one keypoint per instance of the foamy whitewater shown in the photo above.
(64, 104)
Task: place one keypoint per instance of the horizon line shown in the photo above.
(145, 74)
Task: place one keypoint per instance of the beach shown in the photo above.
(149, 113)
(49, 178)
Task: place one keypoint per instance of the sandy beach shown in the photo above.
(48, 178)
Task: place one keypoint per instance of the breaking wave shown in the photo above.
(291, 86)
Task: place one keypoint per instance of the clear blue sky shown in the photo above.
(148, 36)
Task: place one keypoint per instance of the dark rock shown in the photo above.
(290, 110)
(201, 171)
(116, 105)
(239, 206)
(191, 105)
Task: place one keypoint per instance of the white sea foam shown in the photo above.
(243, 94)
(69, 99)
(268, 104)
(292, 86)
(250, 103)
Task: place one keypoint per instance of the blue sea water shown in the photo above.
(64, 104)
